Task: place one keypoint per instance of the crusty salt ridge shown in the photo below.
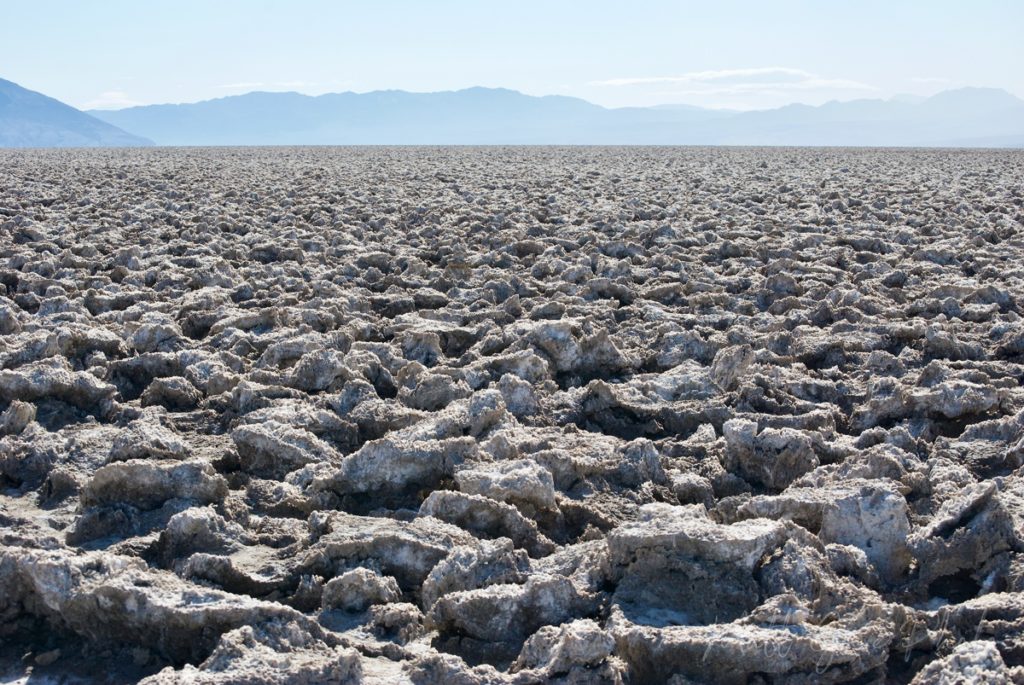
(512, 415)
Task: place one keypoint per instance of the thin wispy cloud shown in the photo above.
(111, 99)
(699, 76)
(738, 81)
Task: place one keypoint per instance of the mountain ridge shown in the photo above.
(31, 119)
(965, 117)
(481, 115)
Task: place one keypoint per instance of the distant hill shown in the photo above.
(951, 118)
(968, 116)
(474, 116)
(31, 119)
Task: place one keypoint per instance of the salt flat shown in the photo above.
(511, 415)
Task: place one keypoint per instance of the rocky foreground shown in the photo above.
(512, 416)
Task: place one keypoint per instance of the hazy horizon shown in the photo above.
(895, 97)
(733, 55)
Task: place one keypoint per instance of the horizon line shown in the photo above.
(548, 95)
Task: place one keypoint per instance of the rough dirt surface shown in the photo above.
(497, 415)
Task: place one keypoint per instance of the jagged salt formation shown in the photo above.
(512, 415)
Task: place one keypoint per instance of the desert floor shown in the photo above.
(511, 415)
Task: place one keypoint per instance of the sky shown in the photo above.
(739, 54)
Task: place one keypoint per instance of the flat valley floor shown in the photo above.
(511, 415)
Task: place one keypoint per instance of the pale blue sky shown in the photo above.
(741, 54)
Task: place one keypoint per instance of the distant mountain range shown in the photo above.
(31, 119)
(969, 117)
